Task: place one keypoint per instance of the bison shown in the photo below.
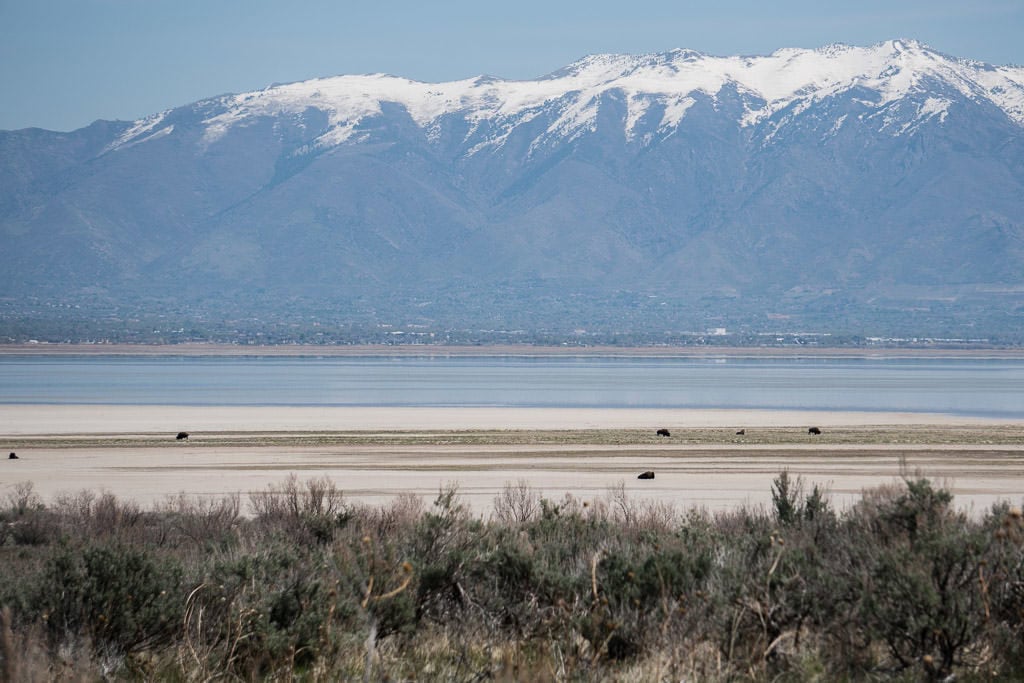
(12, 456)
(814, 430)
(664, 432)
(182, 436)
(646, 475)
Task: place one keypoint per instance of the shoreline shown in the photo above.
(62, 419)
(525, 350)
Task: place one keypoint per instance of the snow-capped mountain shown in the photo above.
(662, 87)
(842, 176)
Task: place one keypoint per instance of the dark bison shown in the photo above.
(741, 432)
(12, 456)
(646, 475)
(664, 432)
(182, 436)
(814, 430)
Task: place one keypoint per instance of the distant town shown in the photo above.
(632, 324)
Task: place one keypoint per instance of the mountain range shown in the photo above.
(861, 190)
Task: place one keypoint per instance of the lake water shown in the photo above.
(975, 387)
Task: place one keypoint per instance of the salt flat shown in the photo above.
(91, 419)
(375, 454)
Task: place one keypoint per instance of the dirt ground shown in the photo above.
(377, 454)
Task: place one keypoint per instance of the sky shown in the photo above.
(66, 63)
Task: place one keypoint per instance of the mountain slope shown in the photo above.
(823, 185)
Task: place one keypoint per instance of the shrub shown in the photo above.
(516, 503)
(120, 597)
(901, 585)
(911, 566)
(312, 510)
(443, 536)
(205, 521)
(268, 610)
(786, 494)
(790, 505)
(1001, 579)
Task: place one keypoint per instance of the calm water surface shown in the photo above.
(981, 387)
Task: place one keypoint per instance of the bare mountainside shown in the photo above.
(853, 190)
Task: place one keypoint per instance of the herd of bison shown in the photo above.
(183, 436)
(649, 474)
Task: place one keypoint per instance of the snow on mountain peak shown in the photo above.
(673, 80)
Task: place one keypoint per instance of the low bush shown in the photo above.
(900, 586)
(120, 598)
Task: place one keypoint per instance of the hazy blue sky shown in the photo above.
(65, 63)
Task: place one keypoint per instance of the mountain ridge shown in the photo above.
(349, 99)
(886, 198)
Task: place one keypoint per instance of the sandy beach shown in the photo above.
(374, 454)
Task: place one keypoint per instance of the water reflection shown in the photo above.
(983, 387)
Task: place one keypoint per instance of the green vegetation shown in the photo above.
(297, 583)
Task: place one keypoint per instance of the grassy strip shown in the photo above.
(922, 435)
